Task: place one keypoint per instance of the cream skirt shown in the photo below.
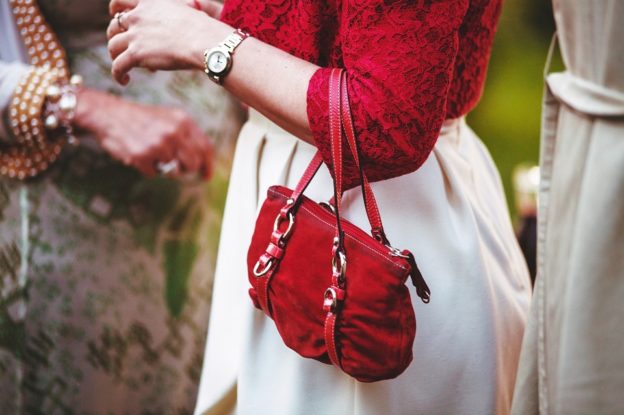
(452, 215)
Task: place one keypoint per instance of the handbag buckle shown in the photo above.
(258, 273)
(282, 239)
(328, 206)
(278, 221)
(330, 300)
(395, 252)
(339, 263)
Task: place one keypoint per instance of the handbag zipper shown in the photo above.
(406, 257)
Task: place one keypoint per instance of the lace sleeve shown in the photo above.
(399, 58)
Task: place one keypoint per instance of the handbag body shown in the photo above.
(335, 293)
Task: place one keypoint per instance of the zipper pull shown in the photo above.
(422, 289)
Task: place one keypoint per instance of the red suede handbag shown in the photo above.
(360, 317)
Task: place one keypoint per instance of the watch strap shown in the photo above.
(233, 40)
(227, 46)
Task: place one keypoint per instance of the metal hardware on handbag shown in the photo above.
(360, 319)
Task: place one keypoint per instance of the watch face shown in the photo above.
(217, 62)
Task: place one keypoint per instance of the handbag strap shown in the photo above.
(340, 118)
(372, 210)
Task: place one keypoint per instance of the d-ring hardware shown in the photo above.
(278, 222)
(340, 268)
(266, 268)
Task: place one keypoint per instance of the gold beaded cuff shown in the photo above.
(43, 100)
(41, 43)
(26, 106)
(32, 152)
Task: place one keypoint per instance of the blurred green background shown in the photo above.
(508, 117)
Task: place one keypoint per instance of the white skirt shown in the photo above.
(452, 215)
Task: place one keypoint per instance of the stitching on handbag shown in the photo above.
(331, 324)
(348, 235)
(333, 337)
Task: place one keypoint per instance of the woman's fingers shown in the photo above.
(189, 160)
(149, 162)
(118, 44)
(207, 156)
(114, 28)
(207, 162)
(122, 65)
(117, 6)
(211, 8)
(120, 23)
(185, 140)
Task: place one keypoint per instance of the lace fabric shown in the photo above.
(410, 65)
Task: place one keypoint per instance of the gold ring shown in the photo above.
(118, 17)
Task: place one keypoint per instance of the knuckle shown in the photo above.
(131, 52)
(134, 17)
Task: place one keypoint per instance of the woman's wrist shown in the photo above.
(208, 37)
(88, 101)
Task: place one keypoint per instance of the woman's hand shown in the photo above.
(168, 34)
(160, 35)
(143, 135)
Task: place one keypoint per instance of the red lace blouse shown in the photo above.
(410, 65)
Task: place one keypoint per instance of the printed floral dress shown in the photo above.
(106, 276)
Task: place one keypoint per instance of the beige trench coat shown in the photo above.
(572, 360)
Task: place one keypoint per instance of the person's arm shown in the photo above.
(398, 56)
(144, 135)
(149, 42)
(138, 135)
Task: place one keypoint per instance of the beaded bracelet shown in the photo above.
(42, 45)
(42, 94)
(60, 107)
(32, 152)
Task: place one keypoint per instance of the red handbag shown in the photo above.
(360, 317)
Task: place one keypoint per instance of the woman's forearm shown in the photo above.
(274, 83)
(268, 79)
(166, 35)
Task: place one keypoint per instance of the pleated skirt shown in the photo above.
(451, 213)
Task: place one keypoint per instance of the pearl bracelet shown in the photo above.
(60, 107)
(31, 152)
(42, 102)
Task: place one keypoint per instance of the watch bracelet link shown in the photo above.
(234, 39)
(229, 44)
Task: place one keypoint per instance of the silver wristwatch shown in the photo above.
(218, 60)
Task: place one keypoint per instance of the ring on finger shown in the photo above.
(118, 18)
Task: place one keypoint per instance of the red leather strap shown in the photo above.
(330, 339)
(262, 291)
(339, 118)
(275, 251)
(335, 133)
(372, 211)
(309, 173)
